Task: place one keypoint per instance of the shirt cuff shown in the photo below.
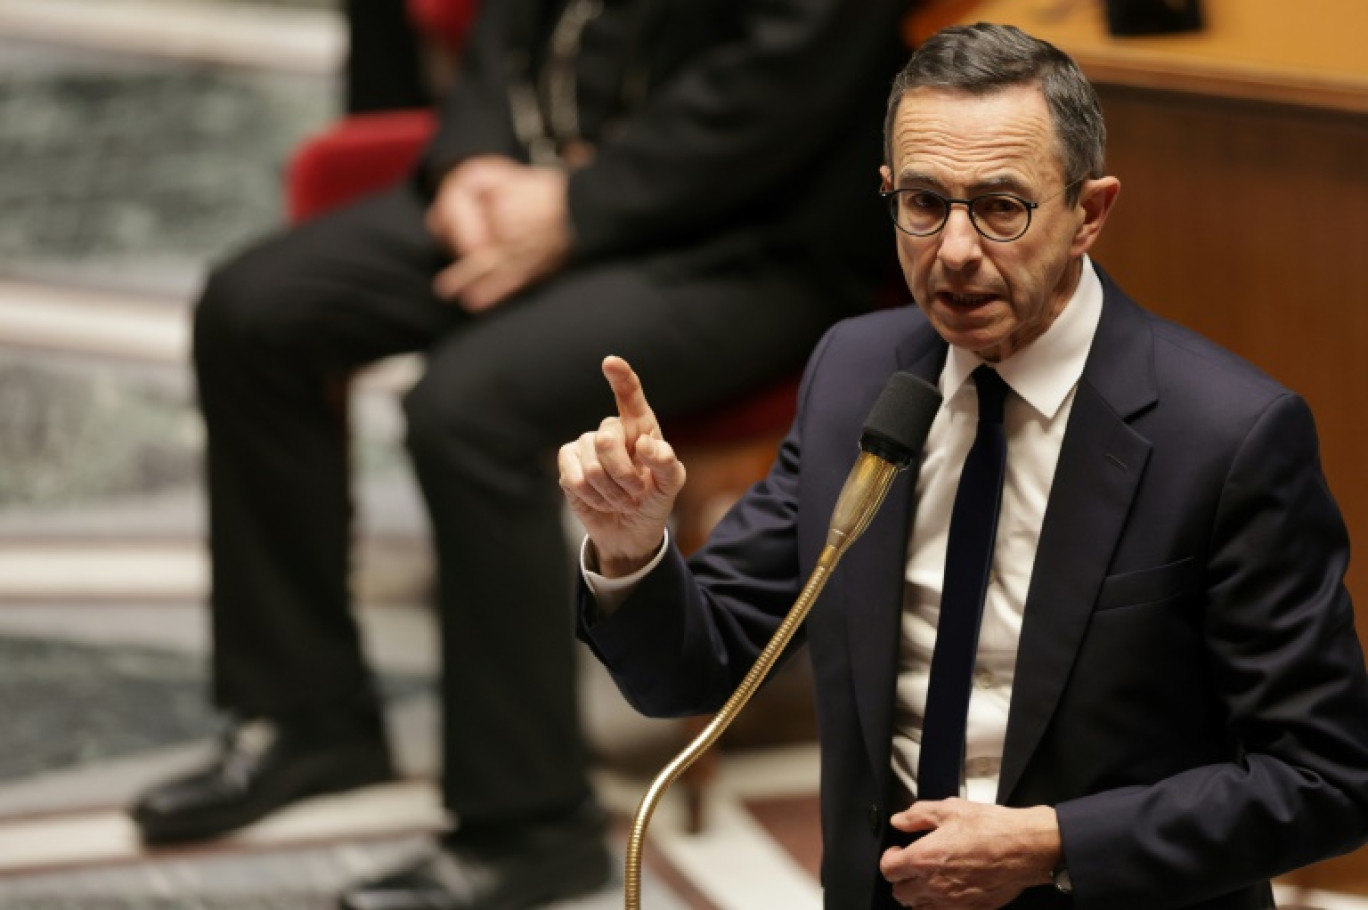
(609, 593)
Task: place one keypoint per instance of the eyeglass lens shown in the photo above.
(998, 216)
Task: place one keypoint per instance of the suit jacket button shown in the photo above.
(875, 821)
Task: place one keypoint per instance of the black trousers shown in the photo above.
(277, 332)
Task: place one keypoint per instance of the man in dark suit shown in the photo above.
(686, 182)
(1169, 703)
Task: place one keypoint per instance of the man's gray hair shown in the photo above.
(984, 58)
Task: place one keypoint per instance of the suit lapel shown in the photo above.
(875, 568)
(1100, 465)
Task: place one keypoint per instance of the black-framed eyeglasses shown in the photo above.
(1000, 217)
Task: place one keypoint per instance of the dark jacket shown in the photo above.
(723, 129)
(1189, 692)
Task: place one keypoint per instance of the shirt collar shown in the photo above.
(1046, 370)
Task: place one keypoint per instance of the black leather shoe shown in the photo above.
(535, 864)
(262, 766)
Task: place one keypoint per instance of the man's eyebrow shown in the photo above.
(997, 183)
(918, 178)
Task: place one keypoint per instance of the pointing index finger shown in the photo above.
(637, 417)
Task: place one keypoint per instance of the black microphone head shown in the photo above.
(899, 421)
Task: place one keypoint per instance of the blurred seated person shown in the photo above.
(690, 184)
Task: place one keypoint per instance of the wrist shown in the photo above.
(620, 565)
(1049, 846)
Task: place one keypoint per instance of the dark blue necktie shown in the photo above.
(968, 562)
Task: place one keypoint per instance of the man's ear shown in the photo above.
(1095, 199)
(885, 178)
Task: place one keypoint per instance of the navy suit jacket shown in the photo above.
(1190, 693)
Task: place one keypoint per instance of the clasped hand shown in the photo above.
(973, 856)
(621, 480)
(507, 225)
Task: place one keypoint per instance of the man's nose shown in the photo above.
(961, 243)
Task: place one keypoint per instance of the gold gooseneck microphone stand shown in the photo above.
(863, 493)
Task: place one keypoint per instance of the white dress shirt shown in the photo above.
(1043, 377)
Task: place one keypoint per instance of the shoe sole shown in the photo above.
(565, 879)
(572, 874)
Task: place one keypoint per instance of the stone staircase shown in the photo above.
(100, 450)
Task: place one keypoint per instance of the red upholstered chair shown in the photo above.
(446, 22)
(356, 155)
(726, 448)
(366, 152)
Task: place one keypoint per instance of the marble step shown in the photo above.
(101, 446)
(105, 835)
(134, 327)
(177, 571)
(299, 37)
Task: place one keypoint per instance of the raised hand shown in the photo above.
(621, 480)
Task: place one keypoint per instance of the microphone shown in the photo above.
(893, 436)
(891, 440)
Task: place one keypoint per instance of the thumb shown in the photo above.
(658, 457)
(920, 816)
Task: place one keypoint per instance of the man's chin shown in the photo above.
(976, 336)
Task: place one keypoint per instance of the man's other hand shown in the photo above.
(972, 856)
